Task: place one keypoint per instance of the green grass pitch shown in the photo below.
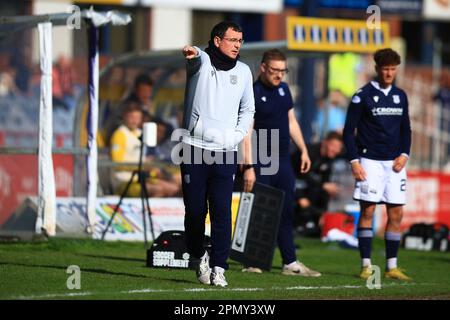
(116, 270)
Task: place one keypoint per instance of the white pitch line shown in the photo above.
(150, 290)
(53, 295)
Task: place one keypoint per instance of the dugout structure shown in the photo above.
(15, 27)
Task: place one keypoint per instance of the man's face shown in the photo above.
(386, 74)
(272, 72)
(333, 148)
(144, 92)
(133, 119)
(230, 44)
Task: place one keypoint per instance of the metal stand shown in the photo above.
(144, 199)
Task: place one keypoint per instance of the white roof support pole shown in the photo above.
(92, 127)
(46, 179)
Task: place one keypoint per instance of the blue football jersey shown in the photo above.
(377, 124)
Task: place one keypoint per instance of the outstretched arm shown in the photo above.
(193, 59)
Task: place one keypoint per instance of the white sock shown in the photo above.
(391, 263)
(366, 262)
(292, 264)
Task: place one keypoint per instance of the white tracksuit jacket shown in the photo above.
(219, 105)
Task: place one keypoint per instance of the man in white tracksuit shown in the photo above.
(219, 107)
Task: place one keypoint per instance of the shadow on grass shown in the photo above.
(103, 271)
(440, 259)
(112, 257)
(91, 270)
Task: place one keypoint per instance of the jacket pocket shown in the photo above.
(197, 129)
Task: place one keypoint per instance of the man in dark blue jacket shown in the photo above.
(377, 135)
(274, 112)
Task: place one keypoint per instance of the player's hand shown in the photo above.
(331, 188)
(305, 162)
(400, 163)
(249, 179)
(358, 171)
(189, 52)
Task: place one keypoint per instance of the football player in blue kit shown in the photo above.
(274, 111)
(377, 136)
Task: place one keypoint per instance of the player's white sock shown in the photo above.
(391, 263)
(366, 262)
(292, 264)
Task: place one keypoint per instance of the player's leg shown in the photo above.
(220, 190)
(285, 180)
(392, 234)
(369, 193)
(194, 183)
(392, 239)
(365, 236)
(395, 198)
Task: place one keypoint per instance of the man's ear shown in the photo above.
(262, 67)
(216, 41)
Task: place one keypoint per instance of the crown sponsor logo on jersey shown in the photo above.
(382, 111)
(396, 98)
(264, 98)
(281, 92)
(376, 98)
(233, 79)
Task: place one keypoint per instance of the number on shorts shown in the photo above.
(403, 185)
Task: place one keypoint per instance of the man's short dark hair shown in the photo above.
(273, 54)
(131, 106)
(386, 57)
(143, 79)
(219, 29)
(334, 135)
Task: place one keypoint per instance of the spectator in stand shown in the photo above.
(125, 147)
(330, 114)
(7, 84)
(63, 84)
(141, 95)
(314, 188)
(443, 98)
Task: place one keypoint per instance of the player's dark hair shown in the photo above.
(143, 79)
(334, 135)
(273, 54)
(386, 57)
(219, 29)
